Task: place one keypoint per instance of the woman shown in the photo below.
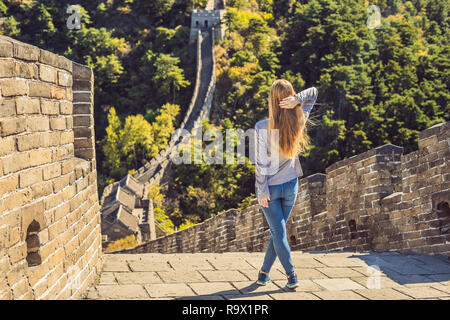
(279, 141)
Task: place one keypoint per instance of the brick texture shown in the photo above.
(49, 212)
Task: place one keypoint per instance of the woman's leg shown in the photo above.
(278, 243)
(270, 256)
(289, 195)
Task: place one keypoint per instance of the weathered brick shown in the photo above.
(6, 67)
(8, 184)
(47, 74)
(25, 70)
(6, 48)
(82, 108)
(57, 258)
(82, 121)
(82, 97)
(29, 141)
(57, 228)
(39, 289)
(7, 107)
(67, 166)
(25, 51)
(52, 171)
(82, 184)
(36, 124)
(36, 274)
(13, 87)
(82, 132)
(69, 122)
(12, 126)
(42, 189)
(61, 182)
(58, 123)
(7, 146)
(50, 139)
(66, 107)
(16, 199)
(16, 162)
(25, 105)
(48, 57)
(38, 89)
(49, 107)
(16, 254)
(58, 93)
(69, 94)
(82, 85)
(30, 177)
(85, 153)
(62, 153)
(81, 72)
(14, 236)
(64, 79)
(67, 137)
(69, 192)
(84, 143)
(53, 201)
(39, 157)
(64, 63)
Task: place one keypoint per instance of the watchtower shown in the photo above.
(203, 19)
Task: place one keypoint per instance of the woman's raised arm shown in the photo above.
(307, 98)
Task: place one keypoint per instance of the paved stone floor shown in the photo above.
(322, 275)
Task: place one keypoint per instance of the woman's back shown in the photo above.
(272, 167)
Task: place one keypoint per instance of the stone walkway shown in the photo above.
(322, 275)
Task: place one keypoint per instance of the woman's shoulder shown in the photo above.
(262, 124)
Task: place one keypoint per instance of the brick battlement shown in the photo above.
(50, 241)
(378, 200)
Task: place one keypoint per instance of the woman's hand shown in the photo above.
(263, 202)
(289, 102)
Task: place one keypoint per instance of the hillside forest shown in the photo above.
(376, 85)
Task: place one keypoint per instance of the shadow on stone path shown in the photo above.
(229, 276)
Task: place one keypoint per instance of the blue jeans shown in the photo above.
(282, 200)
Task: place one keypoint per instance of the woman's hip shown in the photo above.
(287, 190)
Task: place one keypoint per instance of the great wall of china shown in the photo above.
(125, 204)
(50, 241)
(50, 217)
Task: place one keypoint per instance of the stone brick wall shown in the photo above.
(379, 200)
(50, 242)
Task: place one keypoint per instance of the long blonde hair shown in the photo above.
(291, 123)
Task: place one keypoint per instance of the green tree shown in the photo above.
(168, 75)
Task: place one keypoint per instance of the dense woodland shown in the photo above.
(376, 85)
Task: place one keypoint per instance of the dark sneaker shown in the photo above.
(292, 281)
(263, 278)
